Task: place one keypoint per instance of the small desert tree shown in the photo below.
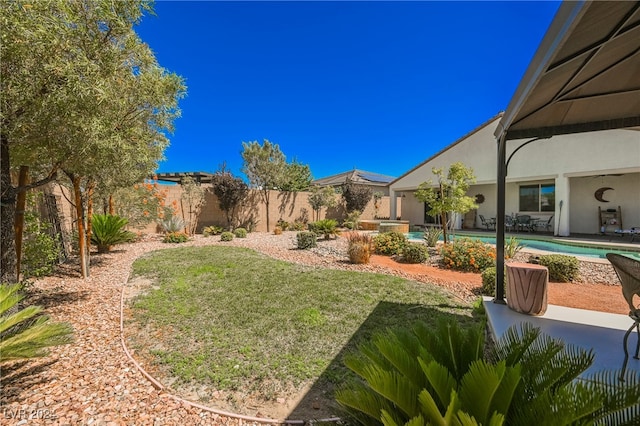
(448, 194)
(298, 177)
(265, 166)
(356, 197)
(230, 192)
(321, 196)
(192, 199)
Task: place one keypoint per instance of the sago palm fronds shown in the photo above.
(27, 333)
(108, 230)
(439, 376)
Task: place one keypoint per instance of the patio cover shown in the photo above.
(585, 76)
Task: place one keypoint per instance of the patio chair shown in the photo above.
(523, 223)
(545, 224)
(509, 223)
(487, 223)
(628, 271)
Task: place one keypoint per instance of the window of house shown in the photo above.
(537, 198)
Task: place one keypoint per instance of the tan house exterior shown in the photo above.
(568, 170)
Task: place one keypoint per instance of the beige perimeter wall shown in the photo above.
(288, 206)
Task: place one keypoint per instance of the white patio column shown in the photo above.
(393, 204)
(562, 224)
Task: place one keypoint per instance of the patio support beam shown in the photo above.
(500, 218)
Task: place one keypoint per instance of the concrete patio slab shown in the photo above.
(602, 332)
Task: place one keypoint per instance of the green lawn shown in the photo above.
(232, 318)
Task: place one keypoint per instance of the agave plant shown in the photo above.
(173, 224)
(108, 230)
(26, 333)
(426, 376)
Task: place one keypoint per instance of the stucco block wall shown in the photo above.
(282, 205)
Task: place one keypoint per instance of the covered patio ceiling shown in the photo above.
(585, 76)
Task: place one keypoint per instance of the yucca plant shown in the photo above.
(432, 236)
(26, 333)
(441, 376)
(512, 247)
(108, 230)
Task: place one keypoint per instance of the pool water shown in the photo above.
(550, 246)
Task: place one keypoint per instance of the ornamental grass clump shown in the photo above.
(468, 255)
(562, 268)
(389, 243)
(360, 247)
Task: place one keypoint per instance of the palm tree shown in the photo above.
(26, 333)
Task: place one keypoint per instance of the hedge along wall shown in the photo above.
(288, 206)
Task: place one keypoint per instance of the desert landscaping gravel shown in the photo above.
(93, 382)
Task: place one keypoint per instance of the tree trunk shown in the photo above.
(84, 261)
(443, 218)
(111, 207)
(7, 217)
(266, 203)
(90, 189)
(21, 203)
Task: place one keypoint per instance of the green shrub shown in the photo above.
(306, 240)
(562, 268)
(432, 236)
(175, 237)
(283, 224)
(389, 243)
(41, 251)
(326, 227)
(40, 254)
(468, 255)
(26, 333)
(489, 281)
(108, 230)
(212, 230)
(226, 236)
(360, 247)
(240, 232)
(414, 253)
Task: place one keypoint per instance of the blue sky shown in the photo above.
(378, 86)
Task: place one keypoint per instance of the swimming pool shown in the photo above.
(550, 246)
